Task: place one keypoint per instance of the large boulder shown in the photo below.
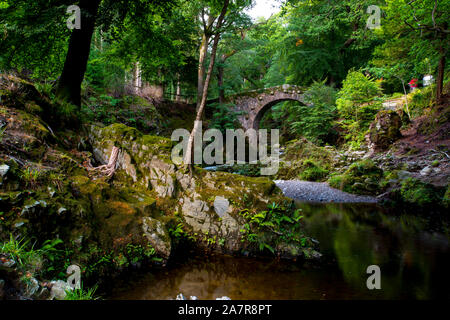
(209, 205)
(384, 130)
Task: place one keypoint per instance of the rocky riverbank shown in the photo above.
(138, 216)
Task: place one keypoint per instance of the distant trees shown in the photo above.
(416, 40)
(34, 35)
(171, 43)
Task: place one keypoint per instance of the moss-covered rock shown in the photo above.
(146, 160)
(384, 130)
(362, 177)
(312, 171)
(303, 159)
(21, 94)
(418, 193)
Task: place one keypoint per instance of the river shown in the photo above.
(412, 253)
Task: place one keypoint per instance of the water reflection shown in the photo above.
(412, 253)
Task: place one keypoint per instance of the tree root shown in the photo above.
(106, 170)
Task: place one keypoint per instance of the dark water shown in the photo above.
(412, 252)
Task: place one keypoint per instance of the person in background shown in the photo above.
(413, 84)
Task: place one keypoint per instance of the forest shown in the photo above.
(110, 110)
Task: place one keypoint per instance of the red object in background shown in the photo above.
(413, 83)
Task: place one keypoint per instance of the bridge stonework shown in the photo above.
(253, 104)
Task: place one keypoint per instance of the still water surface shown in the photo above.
(412, 252)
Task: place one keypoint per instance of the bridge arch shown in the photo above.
(253, 105)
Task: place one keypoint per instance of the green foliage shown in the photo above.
(280, 219)
(321, 94)
(301, 151)
(136, 253)
(362, 177)
(357, 89)
(45, 88)
(223, 117)
(133, 111)
(416, 192)
(19, 250)
(312, 171)
(30, 176)
(421, 99)
(312, 39)
(411, 38)
(34, 37)
(82, 294)
(48, 261)
(177, 232)
(315, 122)
(357, 106)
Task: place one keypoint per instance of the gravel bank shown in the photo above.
(318, 192)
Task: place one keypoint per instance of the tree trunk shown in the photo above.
(406, 99)
(201, 68)
(202, 57)
(440, 77)
(220, 70)
(137, 80)
(69, 85)
(178, 95)
(190, 146)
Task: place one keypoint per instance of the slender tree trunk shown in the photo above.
(137, 81)
(178, 96)
(440, 77)
(69, 85)
(190, 146)
(406, 99)
(220, 71)
(201, 68)
(202, 58)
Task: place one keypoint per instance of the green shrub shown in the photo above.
(362, 177)
(416, 192)
(223, 117)
(19, 250)
(358, 102)
(81, 294)
(339, 181)
(420, 100)
(357, 90)
(312, 171)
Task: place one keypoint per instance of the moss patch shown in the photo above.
(361, 177)
(416, 192)
(302, 155)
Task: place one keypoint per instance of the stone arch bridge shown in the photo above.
(253, 104)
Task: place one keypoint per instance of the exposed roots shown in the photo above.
(106, 170)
